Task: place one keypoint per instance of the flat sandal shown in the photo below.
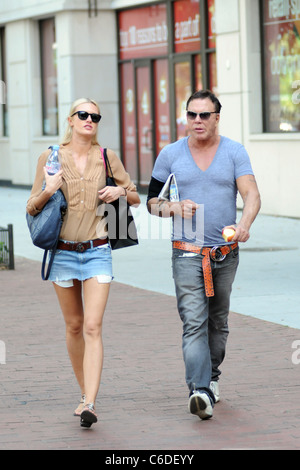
(79, 409)
(88, 416)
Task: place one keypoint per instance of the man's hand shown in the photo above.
(241, 233)
(186, 208)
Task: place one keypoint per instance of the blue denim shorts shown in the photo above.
(94, 262)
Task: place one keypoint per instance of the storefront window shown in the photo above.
(49, 77)
(198, 72)
(281, 37)
(183, 91)
(196, 39)
(187, 35)
(212, 67)
(163, 60)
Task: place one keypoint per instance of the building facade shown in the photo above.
(141, 60)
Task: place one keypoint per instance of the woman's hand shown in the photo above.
(111, 193)
(53, 182)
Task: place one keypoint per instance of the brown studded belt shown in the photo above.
(80, 247)
(216, 253)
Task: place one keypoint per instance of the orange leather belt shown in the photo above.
(217, 253)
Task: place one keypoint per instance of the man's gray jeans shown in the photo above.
(205, 320)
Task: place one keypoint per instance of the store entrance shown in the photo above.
(166, 52)
(146, 126)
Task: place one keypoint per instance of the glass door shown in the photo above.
(183, 90)
(128, 111)
(144, 123)
(145, 110)
(162, 105)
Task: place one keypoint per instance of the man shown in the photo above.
(209, 170)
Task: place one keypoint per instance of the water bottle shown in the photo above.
(53, 163)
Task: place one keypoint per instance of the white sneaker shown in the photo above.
(200, 405)
(214, 386)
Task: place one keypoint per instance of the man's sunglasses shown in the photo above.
(203, 116)
(83, 115)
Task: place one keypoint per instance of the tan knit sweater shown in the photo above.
(84, 218)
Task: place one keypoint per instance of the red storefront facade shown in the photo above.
(166, 52)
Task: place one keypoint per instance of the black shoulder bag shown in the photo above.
(120, 222)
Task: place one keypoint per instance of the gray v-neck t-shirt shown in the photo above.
(215, 189)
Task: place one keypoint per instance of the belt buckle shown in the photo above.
(216, 255)
(80, 248)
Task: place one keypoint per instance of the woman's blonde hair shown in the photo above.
(69, 130)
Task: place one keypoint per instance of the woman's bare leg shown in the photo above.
(70, 300)
(95, 299)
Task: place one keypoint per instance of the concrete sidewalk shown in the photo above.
(143, 398)
(267, 282)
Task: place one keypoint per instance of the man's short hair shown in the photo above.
(202, 95)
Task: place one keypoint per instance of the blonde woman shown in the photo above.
(82, 267)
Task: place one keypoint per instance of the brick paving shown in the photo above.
(142, 404)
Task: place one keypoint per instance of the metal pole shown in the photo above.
(11, 246)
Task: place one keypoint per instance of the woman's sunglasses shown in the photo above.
(203, 116)
(83, 115)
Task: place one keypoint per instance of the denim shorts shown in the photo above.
(94, 262)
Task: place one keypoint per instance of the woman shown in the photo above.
(82, 272)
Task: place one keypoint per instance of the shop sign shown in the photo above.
(187, 25)
(143, 32)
